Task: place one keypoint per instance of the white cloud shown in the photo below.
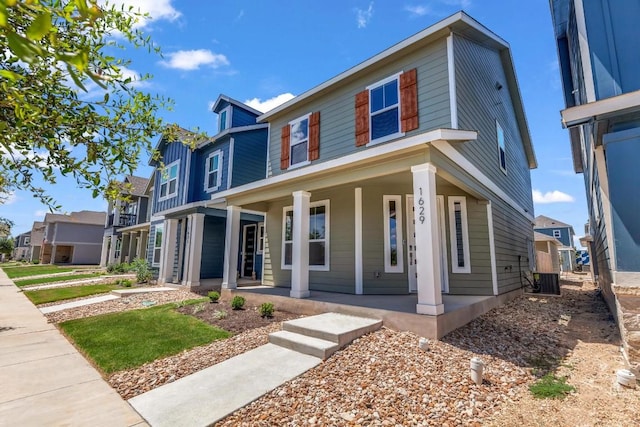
(269, 104)
(7, 198)
(363, 16)
(193, 59)
(463, 4)
(554, 196)
(157, 9)
(417, 10)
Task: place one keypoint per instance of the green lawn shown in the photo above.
(35, 270)
(129, 339)
(42, 296)
(41, 280)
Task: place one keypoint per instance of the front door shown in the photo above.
(248, 250)
(411, 245)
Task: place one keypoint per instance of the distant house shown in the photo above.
(22, 247)
(547, 253)
(126, 232)
(75, 238)
(37, 238)
(564, 234)
(188, 228)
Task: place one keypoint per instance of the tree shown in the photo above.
(68, 104)
(6, 246)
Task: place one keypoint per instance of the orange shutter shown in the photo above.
(409, 100)
(362, 118)
(314, 136)
(284, 147)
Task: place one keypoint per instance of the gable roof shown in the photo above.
(541, 237)
(460, 23)
(81, 217)
(138, 185)
(181, 135)
(542, 221)
(217, 106)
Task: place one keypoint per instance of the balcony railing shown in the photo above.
(124, 220)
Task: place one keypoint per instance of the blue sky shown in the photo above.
(264, 52)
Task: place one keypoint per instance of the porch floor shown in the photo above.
(398, 312)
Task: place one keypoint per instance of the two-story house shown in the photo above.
(22, 247)
(408, 173)
(126, 232)
(36, 240)
(188, 230)
(564, 234)
(74, 238)
(599, 64)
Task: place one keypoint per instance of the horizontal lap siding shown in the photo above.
(478, 69)
(78, 233)
(337, 106)
(86, 253)
(242, 118)
(212, 247)
(249, 157)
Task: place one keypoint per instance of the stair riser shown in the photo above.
(340, 339)
(303, 348)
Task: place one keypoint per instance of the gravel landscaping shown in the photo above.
(385, 379)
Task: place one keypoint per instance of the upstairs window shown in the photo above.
(300, 141)
(384, 108)
(224, 119)
(27, 240)
(557, 234)
(169, 181)
(213, 171)
(502, 154)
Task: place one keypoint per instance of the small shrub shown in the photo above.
(141, 268)
(219, 314)
(551, 387)
(198, 308)
(266, 309)
(214, 296)
(35, 261)
(118, 268)
(237, 303)
(126, 283)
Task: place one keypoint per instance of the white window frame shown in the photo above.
(118, 249)
(455, 268)
(327, 219)
(167, 170)
(157, 248)
(557, 234)
(261, 235)
(399, 267)
(207, 172)
(26, 241)
(502, 148)
(393, 135)
(227, 119)
(291, 124)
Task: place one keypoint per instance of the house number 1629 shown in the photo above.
(421, 217)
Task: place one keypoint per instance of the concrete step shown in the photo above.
(338, 328)
(304, 344)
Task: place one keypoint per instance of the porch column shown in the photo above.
(53, 255)
(112, 250)
(196, 230)
(300, 249)
(133, 245)
(231, 248)
(427, 240)
(124, 247)
(142, 245)
(168, 251)
(104, 255)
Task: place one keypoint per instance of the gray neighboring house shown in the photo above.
(22, 247)
(597, 45)
(37, 237)
(547, 253)
(74, 238)
(126, 232)
(564, 234)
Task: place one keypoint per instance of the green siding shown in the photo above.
(337, 105)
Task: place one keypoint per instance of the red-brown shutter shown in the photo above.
(409, 100)
(362, 118)
(314, 136)
(284, 147)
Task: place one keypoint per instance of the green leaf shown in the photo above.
(40, 26)
(8, 74)
(20, 46)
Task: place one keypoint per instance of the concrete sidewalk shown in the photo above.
(45, 381)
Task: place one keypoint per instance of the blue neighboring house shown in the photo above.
(188, 225)
(564, 234)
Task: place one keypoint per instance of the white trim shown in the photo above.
(168, 170)
(327, 252)
(585, 54)
(411, 242)
(232, 144)
(559, 232)
(261, 238)
(293, 122)
(394, 135)
(451, 66)
(207, 172)
(399, 267)
(453, 235)
(614, 105)
(154, 247)
(502, 148)
(227, 119)
(226, 132)
(453, 154)
(492, 249)
(358, 241)
(267, 165)
(443, 244)
(244, 245)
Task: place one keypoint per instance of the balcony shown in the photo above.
(124, 220)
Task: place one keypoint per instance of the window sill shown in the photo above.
(162, 199)
(299, 165)
(385, 139)
(211, 190)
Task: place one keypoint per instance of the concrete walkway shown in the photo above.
(44, 380)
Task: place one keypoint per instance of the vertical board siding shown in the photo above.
(478, 70)
(170, 153)
(213, 238)
(336, 107)
(249, 157)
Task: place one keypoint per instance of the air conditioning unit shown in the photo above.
(549, 283)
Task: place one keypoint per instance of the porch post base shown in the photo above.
(299, 294)
(192, 284)
(229, 285)
(431, 309)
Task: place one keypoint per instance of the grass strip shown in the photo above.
(42, 296)
(36, 270)
(41, 280)
(551, 387)
(129, 339)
